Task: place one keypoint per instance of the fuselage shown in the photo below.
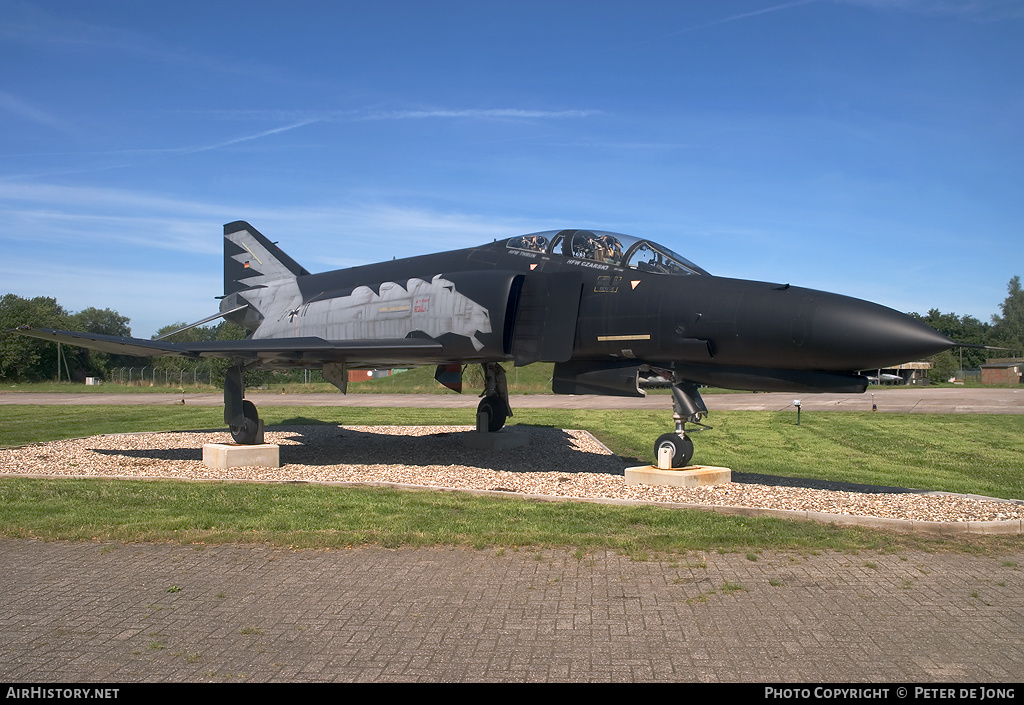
(588, 296)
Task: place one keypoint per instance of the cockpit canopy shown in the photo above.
(607, 248)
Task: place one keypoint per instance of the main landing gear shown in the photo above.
(493, 408)
(240, 414)
(687, 407)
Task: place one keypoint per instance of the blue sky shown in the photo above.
(873, 148)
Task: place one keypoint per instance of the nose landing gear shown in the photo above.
(687, 407)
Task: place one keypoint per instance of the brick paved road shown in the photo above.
(104, 613)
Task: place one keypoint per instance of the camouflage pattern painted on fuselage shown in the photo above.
(432, 307)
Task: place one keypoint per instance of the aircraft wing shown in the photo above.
(274, 351)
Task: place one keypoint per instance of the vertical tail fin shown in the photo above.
(251, 260)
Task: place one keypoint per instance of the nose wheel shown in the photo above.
(680, 446)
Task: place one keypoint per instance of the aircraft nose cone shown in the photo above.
(850, 334)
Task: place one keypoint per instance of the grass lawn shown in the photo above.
(977, 454)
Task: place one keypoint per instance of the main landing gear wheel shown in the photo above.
(494, 405)
(681, 447)
(246, 435)
(493, 408)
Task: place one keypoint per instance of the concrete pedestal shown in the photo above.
(692, 476)
(496, 440)
(231, 455)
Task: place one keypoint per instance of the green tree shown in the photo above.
(962, 329)
(213, 368)
(944, 365)
(1008, 329)
(93, 363)
(24, 359)
(104, 321)
(182, 367)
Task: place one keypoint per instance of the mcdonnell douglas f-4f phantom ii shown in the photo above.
(612, 312)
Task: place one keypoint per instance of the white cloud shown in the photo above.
(27, 23)
(157, 259)
(27, 111)
(972, 10)
(45, 213)
(148, 296)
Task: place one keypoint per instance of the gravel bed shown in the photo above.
(560, 463)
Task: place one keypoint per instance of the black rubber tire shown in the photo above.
(495, 410)
(246, 435)
(682, 448)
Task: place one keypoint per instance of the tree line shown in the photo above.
(1005, 330)
(24, 359)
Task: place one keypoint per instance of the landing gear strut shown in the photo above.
(687, 407)
(240, 414)
(493, 408)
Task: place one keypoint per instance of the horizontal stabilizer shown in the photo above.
(113, 344)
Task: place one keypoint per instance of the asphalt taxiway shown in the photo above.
(933, 400)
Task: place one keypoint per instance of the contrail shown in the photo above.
(745, 15)
(492, 113)
(727, 20)
(246, 138)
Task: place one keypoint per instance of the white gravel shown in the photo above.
(559, 463)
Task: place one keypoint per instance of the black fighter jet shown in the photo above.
(614, 313)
